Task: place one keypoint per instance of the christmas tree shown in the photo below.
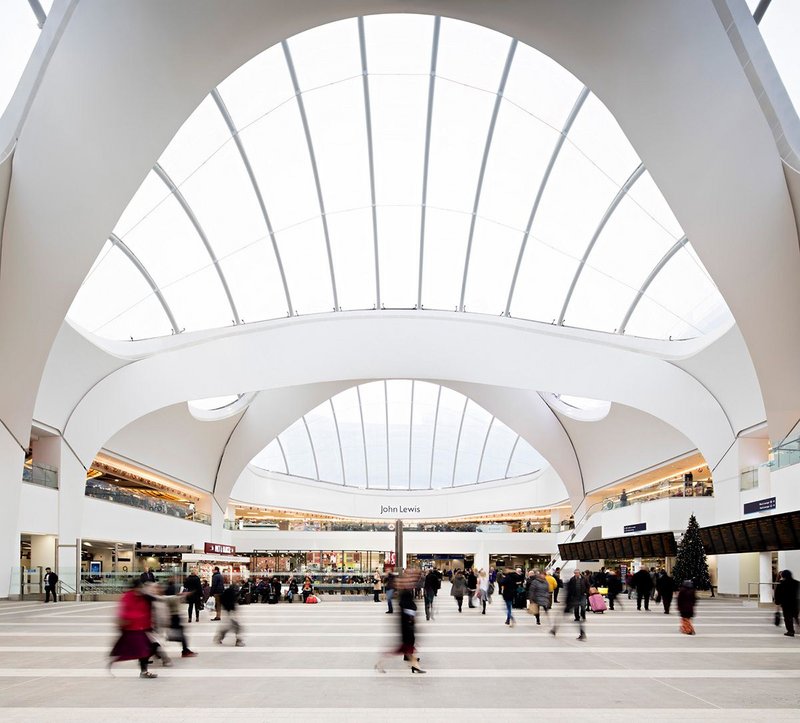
(691, 562)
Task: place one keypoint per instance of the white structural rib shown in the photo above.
(458, 441)
(410, 433)
(39, 12)
(386, 410)
(187, 209)
(596, 235)
(368, 112)
(433, 443)
(283, 454)
(302, 108)
(487, 148)
(483, 449)
(649, 280)
(223, 109)
(311, 442)
(134, 259)
(437, 21)
(338, 439)
(511, 456)
(542, 185)
(363, 435)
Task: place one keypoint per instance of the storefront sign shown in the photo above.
(218, 549)
(638, 527)
(759, 505)
(399, 509)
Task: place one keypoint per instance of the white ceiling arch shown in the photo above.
(648, 78)
(453, 350)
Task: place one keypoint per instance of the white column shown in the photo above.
(12, 458)
(765, 577)
(71, 496)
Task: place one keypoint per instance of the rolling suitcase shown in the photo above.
(597, 603)
(520, 600)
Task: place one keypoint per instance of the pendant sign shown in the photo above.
(638, 527)
(759, 506)
(215, 548)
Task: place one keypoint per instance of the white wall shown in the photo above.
(38, 510)
(664, 515)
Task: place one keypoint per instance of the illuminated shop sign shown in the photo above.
(216, 548)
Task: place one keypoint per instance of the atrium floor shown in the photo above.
(306, 662)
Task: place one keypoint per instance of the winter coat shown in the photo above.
(665, 585)
(539, 592)
(217, 584)
(642, 581)
(134, 611)
(686, 600)
(577, 589)
(459, 586)
(786, 596)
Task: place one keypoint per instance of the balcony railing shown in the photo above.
(515, 526)
(785, 454)
(40, 474)
(133, 498)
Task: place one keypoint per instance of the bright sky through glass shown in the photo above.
(499, 184)
(418, 436)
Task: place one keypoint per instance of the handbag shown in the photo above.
(777, 618)
(201, 605)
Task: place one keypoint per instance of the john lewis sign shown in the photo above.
(401, 510)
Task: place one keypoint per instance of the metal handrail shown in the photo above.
(758, 588)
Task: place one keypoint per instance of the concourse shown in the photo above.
(399, 360)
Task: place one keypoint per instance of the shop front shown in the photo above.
(234, 568)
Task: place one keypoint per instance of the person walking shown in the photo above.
(576, 590)
(229, 600)
(483, 589)
(614, 589)
(134, 618)
(665, 586)
(50, 585)
(559, 584)
(644, 586)
(391, 582)
(217, 588)
(786, 599)
(539, 596)
(194, 597)
(687, 598)
(377, 586)
(458, 588)
(408, 611)
(508, 589)
(172, 598)
(431, 587)
(472, 587)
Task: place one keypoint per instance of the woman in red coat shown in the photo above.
(687, 597)
(135, 621)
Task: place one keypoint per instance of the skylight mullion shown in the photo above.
(283, 454)
(410, 432)
(483, 449)
(433, 443)
(134, 259)
(311, 442)
(545, 177)
(386, 411)
(367, 109)
(39, 12)
(511, 456)
(363, 435)
(187, 209)
(312, 156)
(437, 21)
(223, 109)
(649, 280)
(339, 440)
(487, 148)
(600, 226)
(458, 441)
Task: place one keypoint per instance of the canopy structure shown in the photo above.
(399, 161)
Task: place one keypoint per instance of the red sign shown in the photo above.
(219, 549)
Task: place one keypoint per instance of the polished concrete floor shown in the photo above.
(316, 662)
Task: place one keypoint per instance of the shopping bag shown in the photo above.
(777, 618)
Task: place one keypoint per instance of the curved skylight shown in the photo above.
(580, 408)
(779, 27)
(19, 31)
(400, 434)
(211, 404)
(399, 161)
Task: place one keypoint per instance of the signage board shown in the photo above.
(767, 503)
(217, 548)
(638, 527)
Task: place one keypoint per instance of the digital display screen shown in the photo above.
(661, 544)
(761, 534)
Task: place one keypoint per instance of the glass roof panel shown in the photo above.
(348, 418)
(353, 250)
(299, 454)
(592, 165)
(271, 458)
(684, 288)
(412, 418)
(227, 212)
(143, 320)
(446, 234)
(373, 405)
(525, 460)
(199, 301)
(399, 395)
(326, 443)
(255, 282)
(210, 404)
(305, 262)
(199, 138)
(498, 452)
(473, 435)
(18, 35)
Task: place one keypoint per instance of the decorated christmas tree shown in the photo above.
(691, 562)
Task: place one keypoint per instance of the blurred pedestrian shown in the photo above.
(405, 585)
(576, 591)
(483, 589)
(786, 599)
(431, 587)
(614, 589)
(687, 597)
(644, 586)
(472, 587)
(559, 584)
(508, 588)
(171, 598)
(216, 590)
(539, 596)
(391, 582)
(229, 600)
(458, 588)
(665, 586)
(194, 596)
(134, 621)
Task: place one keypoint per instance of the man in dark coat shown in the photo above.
(217, 588)
(472, 586)
(665, 586)
(431, 587)
(508, 587)
(644, 586)
(194, 588)
(786, 597)
(576, 591)
(614, 588)
(50, 583)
